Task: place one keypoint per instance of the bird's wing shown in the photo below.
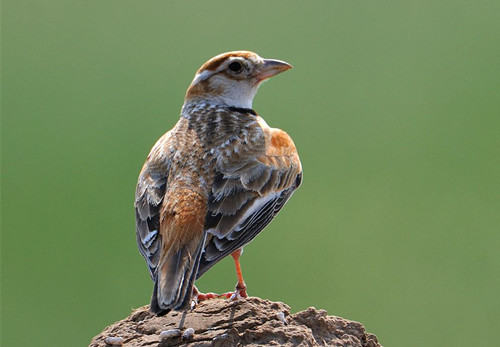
(149, 195)
(248, 191)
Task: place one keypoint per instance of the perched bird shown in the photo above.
(214, 181)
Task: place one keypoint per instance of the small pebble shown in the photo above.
(167, 334)
(188, 334)
(281, 317)
(114, 340)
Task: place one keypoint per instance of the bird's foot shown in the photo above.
(239, 293)
(199, 296)
(207, 296)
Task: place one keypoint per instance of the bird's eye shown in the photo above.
(235, 66)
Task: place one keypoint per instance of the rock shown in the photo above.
(246, 322)
(168, 334)
(188, 334)
(114, 341)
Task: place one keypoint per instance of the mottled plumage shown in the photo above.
(214, 181)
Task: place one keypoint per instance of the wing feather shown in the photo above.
(150, 190)
(248, 194)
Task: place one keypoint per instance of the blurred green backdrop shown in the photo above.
(394, 107)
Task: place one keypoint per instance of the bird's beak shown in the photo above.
(271, 67)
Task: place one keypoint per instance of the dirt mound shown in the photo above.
(247, 322)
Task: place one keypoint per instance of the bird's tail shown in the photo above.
(175, 277)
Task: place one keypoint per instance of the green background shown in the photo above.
(393, 105)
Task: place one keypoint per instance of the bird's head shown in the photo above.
(233, 78)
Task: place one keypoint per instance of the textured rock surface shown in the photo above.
(248, 322)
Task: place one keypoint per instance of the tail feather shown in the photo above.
(154, 306)
(187, 289)
(175, 278)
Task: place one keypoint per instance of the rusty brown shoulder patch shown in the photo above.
(280, 140)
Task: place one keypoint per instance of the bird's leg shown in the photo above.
(241, 288)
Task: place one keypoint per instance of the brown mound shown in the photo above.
(247, 322)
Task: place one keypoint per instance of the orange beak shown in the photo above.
(270, 68)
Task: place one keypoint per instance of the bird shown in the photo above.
(214, 181)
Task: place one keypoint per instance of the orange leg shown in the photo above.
(241, 288)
